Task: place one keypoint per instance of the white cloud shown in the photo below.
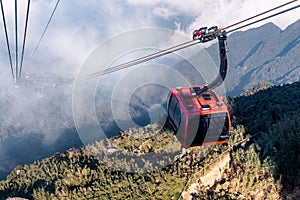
(163, 12)
(222, 12)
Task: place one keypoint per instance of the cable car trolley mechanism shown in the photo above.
(197, 114)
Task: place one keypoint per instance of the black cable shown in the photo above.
(24, 39)
(249, 18)
(7, 41)
(142, 59)
(255, 16)
(43, 34)
(145, 59)
(151, 55)
(284, 11)
(16, 34)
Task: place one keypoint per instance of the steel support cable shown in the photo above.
(260, 14)
(24, 38)
(284, 11)
(137, 61)
(44, 32)
(255, 16)
(16, 39)
(186, 44)
(7, 41)
(249, 18)
(151, 56)
(142, 59)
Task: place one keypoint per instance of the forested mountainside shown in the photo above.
(260, 161)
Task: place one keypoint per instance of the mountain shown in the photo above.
(266, 53)
(260, 161)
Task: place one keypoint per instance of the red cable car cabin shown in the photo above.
(197, 114)
(198, 120)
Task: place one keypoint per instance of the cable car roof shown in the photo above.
(192, 103)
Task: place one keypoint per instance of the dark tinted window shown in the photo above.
(193, 125)
(171, 107)
(177, 115)
(207, 128)
(174, 111)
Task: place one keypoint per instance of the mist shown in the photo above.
(36, 119)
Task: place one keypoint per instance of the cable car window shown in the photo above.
(172, 105)
(217, 123)
(177, 115)
(193, 126)
(204, 125)
(180, 132)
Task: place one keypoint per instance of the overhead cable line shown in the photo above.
(16, 35)
(260, 14)
(284, 11)
(142, 59)
(189, 43)
(43, 34)
(7, 41)
(24, 39)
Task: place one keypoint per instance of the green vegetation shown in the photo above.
(246, 177)
(79, 174)
(271, 117)
(263, 148)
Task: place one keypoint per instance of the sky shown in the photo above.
(78, 26)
